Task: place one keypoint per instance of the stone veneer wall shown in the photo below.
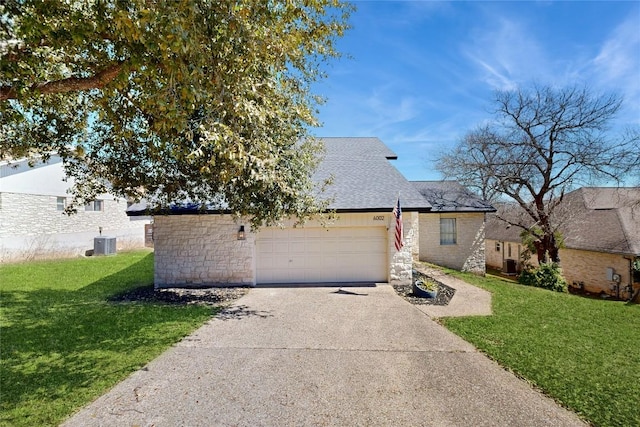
(469, 252)
(32, 227)
(199, 250)
(401, 262)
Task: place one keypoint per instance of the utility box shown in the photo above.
(104, 245)
(509, 267)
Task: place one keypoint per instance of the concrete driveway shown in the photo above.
(353, 356)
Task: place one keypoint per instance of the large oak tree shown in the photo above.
(544, 142)
(198, 100)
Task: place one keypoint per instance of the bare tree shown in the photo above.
(543, 143)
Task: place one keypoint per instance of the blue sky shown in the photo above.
(422, 74)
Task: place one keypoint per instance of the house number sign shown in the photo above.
(378, 217)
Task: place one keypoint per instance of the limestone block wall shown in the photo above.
(401, 262)
(468, 254)
(199, 250)
(590, 268)
(31, 227)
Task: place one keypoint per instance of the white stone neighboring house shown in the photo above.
(601, 232)
(34, 226)
(199, 248)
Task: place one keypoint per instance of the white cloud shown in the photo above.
(617, 65)
(505, 52)
(619, 56)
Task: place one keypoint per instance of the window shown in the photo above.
(95, 206)
(448, 231)
(509, 250)
(497, 246)
(61, 203)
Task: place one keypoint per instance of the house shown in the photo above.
(193, 248)
(33, 223)
(452, 233)
(601, 232)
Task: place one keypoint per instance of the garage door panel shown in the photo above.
(280, 247)
(316, 246)
(316, 232)
(329, 261)
(264, 262)
(321, 255)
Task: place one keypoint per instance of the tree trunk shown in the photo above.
(547, 249)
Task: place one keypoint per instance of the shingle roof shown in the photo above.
(604, 219)
(451, 196)
(596, 219)
(364, 178)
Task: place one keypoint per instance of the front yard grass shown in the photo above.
(583, 352)
(63, 343)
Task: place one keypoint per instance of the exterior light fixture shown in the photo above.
(100, 230)
(241, 235)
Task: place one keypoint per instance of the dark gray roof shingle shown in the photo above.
(451, 196)
(364, 178)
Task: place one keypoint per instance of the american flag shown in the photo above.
(397, 212)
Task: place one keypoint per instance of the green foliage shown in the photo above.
(547, 275)
(532, 236)
(583, 352)
(199, 101)
(64, 344)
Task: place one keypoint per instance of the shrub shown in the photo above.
(548, 276)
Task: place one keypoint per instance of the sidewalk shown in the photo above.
(467, 301)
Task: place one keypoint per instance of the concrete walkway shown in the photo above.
(323, 357)
(467, 301)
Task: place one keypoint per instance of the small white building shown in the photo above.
(33, 224)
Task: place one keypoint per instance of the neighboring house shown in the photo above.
(452, 233)
(194, 248)
(32, 219)
(601, 232)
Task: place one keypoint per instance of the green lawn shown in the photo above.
(63, 344)
(583, 352)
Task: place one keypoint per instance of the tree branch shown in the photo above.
(71, 84)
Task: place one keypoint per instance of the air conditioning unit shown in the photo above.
(509, 267)
(104, 245)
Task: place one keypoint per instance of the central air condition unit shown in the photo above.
(509, 267)
(104, 245)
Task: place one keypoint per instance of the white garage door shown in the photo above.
(316, 255)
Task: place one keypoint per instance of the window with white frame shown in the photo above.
(448, 234)
(497, 246)
(61, 203)
(95, 206)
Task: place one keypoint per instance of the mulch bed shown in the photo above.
(445, 293)
(203, 296)
(224, 295)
